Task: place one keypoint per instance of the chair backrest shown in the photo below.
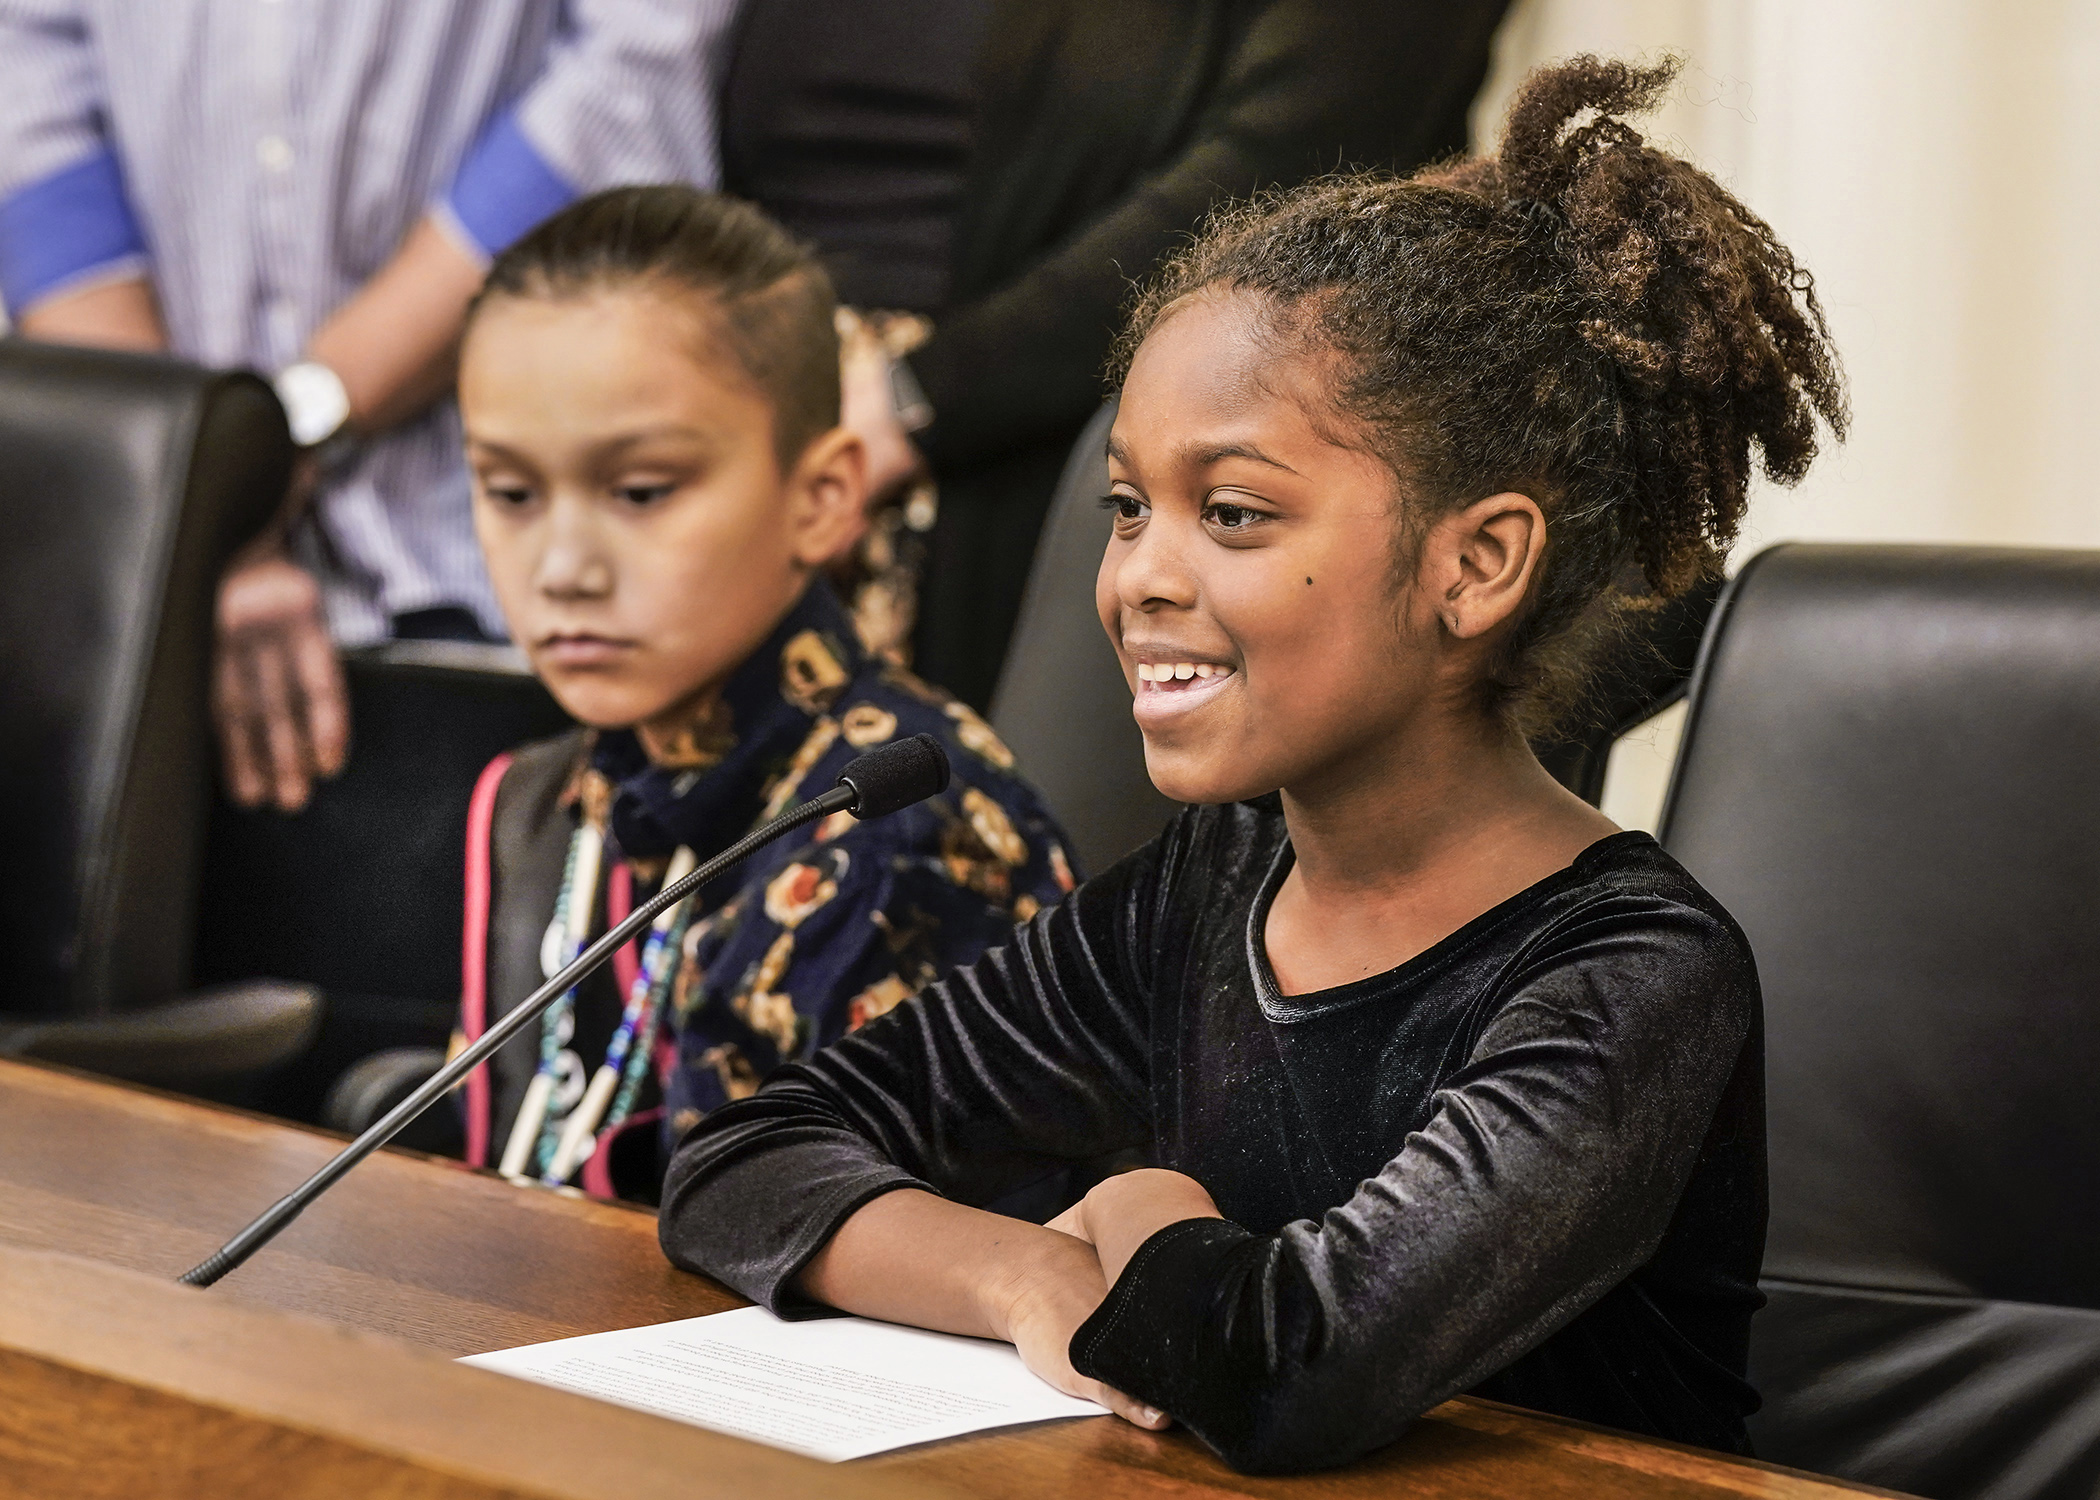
(1062, 705)
(125, 484)
(362, 891)
(1888, 776)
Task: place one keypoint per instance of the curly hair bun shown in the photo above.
(1582, 317)
(1541, 154)
(1696, 302)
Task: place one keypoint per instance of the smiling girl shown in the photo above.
(1452, 1085)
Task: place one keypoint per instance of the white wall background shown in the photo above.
(1936, 164)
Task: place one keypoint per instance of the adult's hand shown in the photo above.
(868, 409)
(278, 697)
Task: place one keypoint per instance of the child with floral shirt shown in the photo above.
(650, 396)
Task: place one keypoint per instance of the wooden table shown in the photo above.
(460, 1262)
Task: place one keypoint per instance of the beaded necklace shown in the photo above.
(611, 1095)
(567, 934)
(551, 1145)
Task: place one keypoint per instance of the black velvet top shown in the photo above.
(1528, 1163)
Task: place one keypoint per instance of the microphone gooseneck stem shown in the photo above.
(841, 798)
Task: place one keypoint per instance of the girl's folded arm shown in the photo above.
(1030, 1058)
(1547, 1173)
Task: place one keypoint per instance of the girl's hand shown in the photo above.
(912, 1257)
(1124, 1211)
(1040, 1305)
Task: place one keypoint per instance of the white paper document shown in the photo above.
(833, 1388)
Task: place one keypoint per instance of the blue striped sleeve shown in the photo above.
(628, 93)
(61, 227)
(504, 187)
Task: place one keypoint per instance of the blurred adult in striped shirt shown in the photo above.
(313, 188)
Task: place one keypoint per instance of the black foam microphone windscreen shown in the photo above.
(896, 776)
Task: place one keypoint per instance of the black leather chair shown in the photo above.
(1888, 775)
(1062, 707)
(125, 484)
(361, 893)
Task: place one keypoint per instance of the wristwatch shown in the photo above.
(316, 404)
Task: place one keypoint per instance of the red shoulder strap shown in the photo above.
(474, 951)
(619, 901)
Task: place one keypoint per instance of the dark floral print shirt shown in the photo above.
(829, 928)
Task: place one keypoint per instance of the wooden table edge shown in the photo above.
(381, 1396)
(1750, 1479)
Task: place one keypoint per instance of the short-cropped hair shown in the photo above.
(764, 295)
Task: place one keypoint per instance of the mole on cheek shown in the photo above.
(1308, 583)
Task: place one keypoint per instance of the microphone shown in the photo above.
(893, 778)
(881, 782)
